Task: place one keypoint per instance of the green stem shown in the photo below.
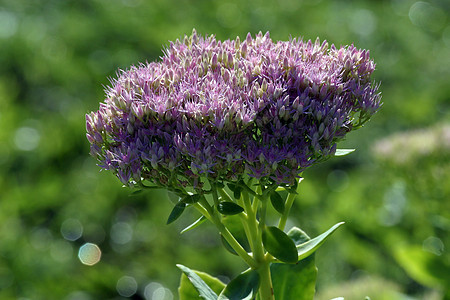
(253, 230)
(266, 287)
(249, 233)
(214, 193)
(252, 224)
(289, 201)
(255, 237)
(206, 209)
(259, 251)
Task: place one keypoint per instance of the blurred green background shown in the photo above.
(393, 192)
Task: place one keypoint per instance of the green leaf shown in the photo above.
(294, 281)
(277, 202)
(279, 245)
(237, 193)
(197, 223)
(298, 236)
(232, 186)
(198, 285)
(229, 208)
(176, 212)
(191, 199)
(236, 189)
(292, 189)
(243, 287)
(309, 247)
(343, 152)
(219, 185)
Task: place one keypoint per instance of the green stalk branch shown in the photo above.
(255, 229)
(289, 201)
(203, 207)
(266, 287)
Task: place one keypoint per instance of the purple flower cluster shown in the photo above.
(223, 110)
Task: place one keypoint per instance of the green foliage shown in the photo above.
(197, 223)
(243, 287)
(176, 212)
(279, 244)
(236, 189)
(191, 199)
(277, 202)
(229, 208)
(309, 247)
(295, 281)
(198, 285)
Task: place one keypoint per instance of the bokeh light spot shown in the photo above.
(78, 295)
(26, 138)
(155, 291)
(394, 205)
(8, 24)
(363, 22)
(89, 254)
(121, 233)
(71, 229)
(126, 286)
(433, 245)
(427, 16)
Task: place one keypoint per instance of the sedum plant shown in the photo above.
(229, 127)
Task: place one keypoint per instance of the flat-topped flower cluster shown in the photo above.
(223, 110)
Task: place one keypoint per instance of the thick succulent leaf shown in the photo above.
(176, 212)
(279, 245)
(237, 193)
(197, 223)
(198, 285)
(277, 202)
(191, 199)
(245, 286)
(298, 236)
(236, 189)
(229, 208)
(343, 152)
(309, 247)
(219, 185)
(294, 281)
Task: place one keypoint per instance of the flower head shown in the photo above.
(223, 110)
